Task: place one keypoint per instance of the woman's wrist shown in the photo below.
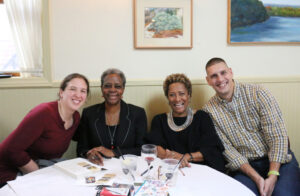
(191, 157)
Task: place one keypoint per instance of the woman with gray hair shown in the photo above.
(104, 128)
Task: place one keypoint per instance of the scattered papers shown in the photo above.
(153, 187)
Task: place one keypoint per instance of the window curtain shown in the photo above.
(25, 18)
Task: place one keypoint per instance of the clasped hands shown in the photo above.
(95, 155)
(266, 186)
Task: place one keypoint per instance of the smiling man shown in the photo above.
(249, 123)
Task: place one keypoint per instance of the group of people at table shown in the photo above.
(240, 131)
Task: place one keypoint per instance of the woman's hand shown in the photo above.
(178, 156)
(29, 167)
(185, 161)
(94, 156)
(161, 152)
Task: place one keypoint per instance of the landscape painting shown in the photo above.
(163, 23)
(264, 21)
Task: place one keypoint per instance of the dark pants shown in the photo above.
(288, 183)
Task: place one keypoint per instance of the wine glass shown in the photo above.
(149, 152)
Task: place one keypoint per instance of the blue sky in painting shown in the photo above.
(282, 2)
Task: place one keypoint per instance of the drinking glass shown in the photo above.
(149, 153)
(129, 165)
(170, 171)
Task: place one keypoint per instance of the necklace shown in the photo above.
(67, 123)
(112, 136)
(187, 122)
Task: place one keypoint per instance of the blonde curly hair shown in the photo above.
(177, 77)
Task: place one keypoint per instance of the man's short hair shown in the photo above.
(214, 61)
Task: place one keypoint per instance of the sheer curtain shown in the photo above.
(25, 17)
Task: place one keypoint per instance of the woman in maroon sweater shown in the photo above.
(45, 132)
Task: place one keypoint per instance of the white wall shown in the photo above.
(88, 36)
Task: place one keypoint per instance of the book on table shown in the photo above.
(86, 173)
(78, 167)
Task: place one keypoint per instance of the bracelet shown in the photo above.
(191, 156)
(272, 172)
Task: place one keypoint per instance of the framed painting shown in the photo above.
(263, 21)
(163, 23)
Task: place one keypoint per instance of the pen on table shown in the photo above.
(146, 170)
(178, 164)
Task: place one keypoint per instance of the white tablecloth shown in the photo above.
(198, 180)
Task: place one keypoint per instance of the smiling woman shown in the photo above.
(45, 132)
(185, 132)
(111, 125)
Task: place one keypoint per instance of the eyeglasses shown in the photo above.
(116, 86)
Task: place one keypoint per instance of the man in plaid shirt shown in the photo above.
(249, 122)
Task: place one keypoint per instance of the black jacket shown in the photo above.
(93, 131)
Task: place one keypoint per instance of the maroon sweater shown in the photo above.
(40, 135)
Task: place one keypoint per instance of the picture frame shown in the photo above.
(263, 22)
(163, 24)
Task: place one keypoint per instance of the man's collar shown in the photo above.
(236, 93)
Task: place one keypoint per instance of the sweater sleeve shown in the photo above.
(27, 132)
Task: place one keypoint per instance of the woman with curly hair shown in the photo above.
(184, 131)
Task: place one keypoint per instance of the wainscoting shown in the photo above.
(16, 102)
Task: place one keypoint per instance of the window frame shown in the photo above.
(46, 79)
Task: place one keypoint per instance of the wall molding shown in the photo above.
(290, 79)
(46, 82)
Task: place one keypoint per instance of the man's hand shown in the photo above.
(260, 183)
(270, 183)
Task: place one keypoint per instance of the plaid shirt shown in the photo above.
(250, 126)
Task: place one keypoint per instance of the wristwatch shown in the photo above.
(191, 157)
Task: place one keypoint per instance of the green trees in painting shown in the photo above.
(165, 21)
(283, 11)
(247, 12)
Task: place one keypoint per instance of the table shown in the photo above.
(198, 180)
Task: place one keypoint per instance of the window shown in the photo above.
(29, 21)
(8, 58)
